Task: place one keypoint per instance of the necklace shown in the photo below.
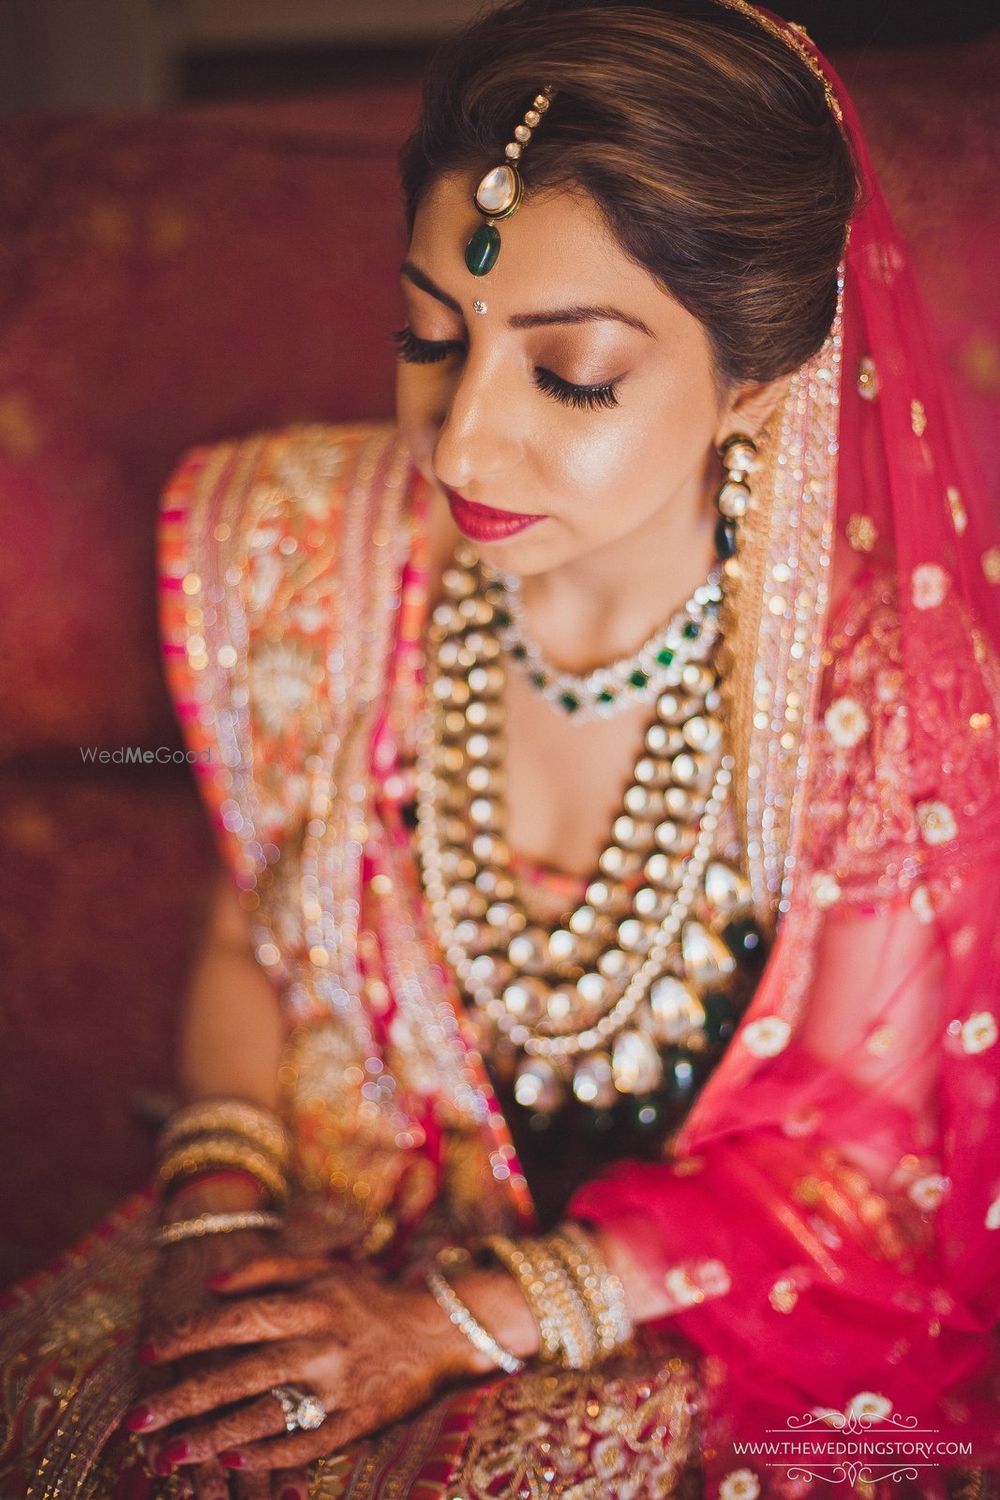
(605, 691)
(588, 1007)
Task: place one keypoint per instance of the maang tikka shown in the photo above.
(500, 191)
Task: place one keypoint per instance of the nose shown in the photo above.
(478, 434)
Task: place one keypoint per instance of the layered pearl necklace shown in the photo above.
(590, 1005)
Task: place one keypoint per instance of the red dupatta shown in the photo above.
(829, 1226)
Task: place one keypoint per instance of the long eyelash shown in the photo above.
(589, 397)
(418, 351)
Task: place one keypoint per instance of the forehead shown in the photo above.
(556, 249)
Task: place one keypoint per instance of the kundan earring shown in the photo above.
(739, 455)
(500, 191)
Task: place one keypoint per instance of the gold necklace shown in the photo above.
(588, 1006)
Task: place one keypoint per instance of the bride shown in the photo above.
(591, 1068)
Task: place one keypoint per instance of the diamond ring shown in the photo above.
(302, 1411)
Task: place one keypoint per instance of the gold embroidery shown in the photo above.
(959, 519)
(783, 1294)
(991, 564)
(918, 418)
(773, 685)
(929, 585)
(862, 533)
(583, 1437)
(867, 378)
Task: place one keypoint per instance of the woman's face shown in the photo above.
(581, 393)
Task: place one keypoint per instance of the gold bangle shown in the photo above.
(513, 1258)
(206, 1224)
(193, 1157)
(600, 1288)
(231, 1117)
(566, 1333)
(578, 1336)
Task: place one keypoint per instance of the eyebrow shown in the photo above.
(578, 314)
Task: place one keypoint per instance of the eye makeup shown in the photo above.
(417, 351)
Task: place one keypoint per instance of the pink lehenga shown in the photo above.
(827, 1217)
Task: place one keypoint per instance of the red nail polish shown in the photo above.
(147, 1354)
(219, 1278)
(163, 1466)
(176, 1452)
(291, 1493)
(139, 1418)
(231, 1459)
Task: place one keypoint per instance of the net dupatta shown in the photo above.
(828, 1222)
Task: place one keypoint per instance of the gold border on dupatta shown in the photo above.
(775, 620)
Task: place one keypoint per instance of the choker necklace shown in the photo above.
(639, 678)
(634, 982)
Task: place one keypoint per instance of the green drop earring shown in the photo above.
(500, 191)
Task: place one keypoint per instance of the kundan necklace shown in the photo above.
(593, 1007)
(639, 678)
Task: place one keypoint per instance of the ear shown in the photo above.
(750, 408)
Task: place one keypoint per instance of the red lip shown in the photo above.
(484, 523)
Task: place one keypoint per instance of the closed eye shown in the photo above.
(589, 397)
(417, 351)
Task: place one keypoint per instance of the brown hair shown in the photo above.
(706, 141)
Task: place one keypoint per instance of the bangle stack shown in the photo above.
(226, 1134)
(578, 1304)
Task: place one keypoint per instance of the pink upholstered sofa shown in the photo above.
(164, 281)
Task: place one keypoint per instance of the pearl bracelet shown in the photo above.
(205, 1224)
(449, 1301)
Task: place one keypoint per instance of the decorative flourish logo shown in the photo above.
(866, 1442)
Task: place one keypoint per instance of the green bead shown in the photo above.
(720, 1017)
(725, 539)
(569, 702)
(605, 696)
(691, 630)
(518, 652)
(538, 680)
(665, 657)
(502, 618)
(483, 249)
(681, 1081)
(639, 679)
(743, 938)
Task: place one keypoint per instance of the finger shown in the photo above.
(297, 1449)
(254, 1320)
(253, 1487)
(289, 1484)
(210, 1481)
(268, 1270)
(236, 1428)
(245, 1376)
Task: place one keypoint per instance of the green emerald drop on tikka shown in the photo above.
(483, 249)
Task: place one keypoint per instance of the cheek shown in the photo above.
(629, 462)
(416, 412)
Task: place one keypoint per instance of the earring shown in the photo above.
(739, 456)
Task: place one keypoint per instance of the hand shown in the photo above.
(371, 1351)
(178, 1292)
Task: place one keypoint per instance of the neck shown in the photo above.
(604, 605)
